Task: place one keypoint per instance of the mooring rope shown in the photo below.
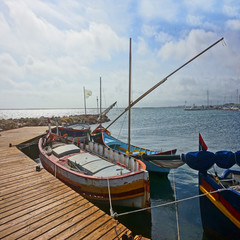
(110, 200)
(176, 207)
(166, 204)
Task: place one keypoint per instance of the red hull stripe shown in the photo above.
(77, 188)
(219, 198)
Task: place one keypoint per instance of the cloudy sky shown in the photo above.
(50, 50)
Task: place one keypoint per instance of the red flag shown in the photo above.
(202, 144)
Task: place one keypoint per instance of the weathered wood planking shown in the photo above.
(37, 205)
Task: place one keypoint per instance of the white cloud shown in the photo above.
(52, 49)
(194, 20)
(203, 5)
(189, 46)
(233, 24)
(231, 8)
(162, 9)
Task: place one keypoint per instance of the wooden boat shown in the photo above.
(137, 152)
(220, 207)
(96, 172)
(77, 132)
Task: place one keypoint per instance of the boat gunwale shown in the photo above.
(156, 152)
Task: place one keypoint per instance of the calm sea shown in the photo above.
(165, 128)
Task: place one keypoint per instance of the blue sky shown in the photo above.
(50, 50)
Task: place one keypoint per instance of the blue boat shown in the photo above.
(220, 200)
(138, 152)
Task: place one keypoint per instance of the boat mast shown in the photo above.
(129, 100)
(162, 81)
(100, 100)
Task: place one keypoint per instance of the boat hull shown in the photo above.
(220, 212)
(122, 147)
(151, 167)
(130, 190)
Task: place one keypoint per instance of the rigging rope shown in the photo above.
(122, 125)
(169, 203)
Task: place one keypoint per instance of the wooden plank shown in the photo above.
(6, 194)
(52, 207)
(34, 223)
(60, 224)
(32, 200)
(90, 227)
(28, 194)
(6, 217)
(100, 232)
(42, 178)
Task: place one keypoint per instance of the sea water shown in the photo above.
(165, 129)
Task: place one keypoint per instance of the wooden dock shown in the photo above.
(37, 205)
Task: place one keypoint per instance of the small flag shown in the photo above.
(202, 144)
(88, 93)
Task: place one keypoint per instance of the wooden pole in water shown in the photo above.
(129, 100)
(162, 81)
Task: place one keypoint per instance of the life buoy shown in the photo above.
(141, 165)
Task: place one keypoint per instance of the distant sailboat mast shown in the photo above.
(84, 95)
(129, 103)
(100, 100)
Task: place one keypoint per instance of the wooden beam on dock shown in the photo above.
(34, 204)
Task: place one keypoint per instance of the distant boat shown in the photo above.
(77, 132)
(96, 172)
(230, 108)
(220, 206)
(153, 165)
(194, 108)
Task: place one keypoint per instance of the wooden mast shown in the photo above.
(129, 100)
(161, 82)
(100, 100)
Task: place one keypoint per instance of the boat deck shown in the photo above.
(34, 204)
(72, 158)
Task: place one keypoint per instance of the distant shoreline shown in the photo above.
(7, 124)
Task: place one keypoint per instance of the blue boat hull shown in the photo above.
(153, 168)
(220, 212)
(122, 147)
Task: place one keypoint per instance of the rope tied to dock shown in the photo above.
(112, 213)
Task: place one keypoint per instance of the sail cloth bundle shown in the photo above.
(204, 160)
(165, 161)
